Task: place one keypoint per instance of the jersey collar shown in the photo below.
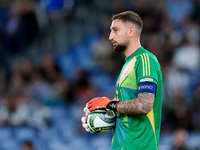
(135, 53)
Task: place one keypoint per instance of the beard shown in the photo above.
(119, 48)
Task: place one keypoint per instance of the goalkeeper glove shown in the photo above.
(84, 123)
(101, 103)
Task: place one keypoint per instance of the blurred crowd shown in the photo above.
(57, 52)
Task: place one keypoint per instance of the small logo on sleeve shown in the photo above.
(146, 79)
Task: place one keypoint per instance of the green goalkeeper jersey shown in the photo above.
(138, 132)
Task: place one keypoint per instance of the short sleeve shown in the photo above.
(147, 68)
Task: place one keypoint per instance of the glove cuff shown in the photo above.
(113, 104)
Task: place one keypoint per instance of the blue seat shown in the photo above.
(79, 143)
(5, 133)
(67, 65)
(24, 133)
(10, 144)
(166, 139)
(56, 145)
(193, 141)
(102, 141)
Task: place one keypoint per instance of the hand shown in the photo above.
(101, 103)
(98, 103)
(84, 123)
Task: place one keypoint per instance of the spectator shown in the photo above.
(14, 110)
(180, 139)
(49, 68)
(196, 108)
(27, 145)
(21, 27)
(178, 10)
(195, 13)
(32, 83)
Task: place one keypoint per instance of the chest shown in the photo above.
(127, 70)
(126, 86)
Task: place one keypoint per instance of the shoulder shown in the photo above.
(147, 63)
(147, 57)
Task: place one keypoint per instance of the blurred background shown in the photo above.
(55, 56)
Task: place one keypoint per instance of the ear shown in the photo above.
(131, 31)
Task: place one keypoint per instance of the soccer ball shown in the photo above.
(101, 122)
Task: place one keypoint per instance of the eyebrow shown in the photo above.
(113, 27)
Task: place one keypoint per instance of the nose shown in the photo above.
(111, 36)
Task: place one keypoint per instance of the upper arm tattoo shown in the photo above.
(141, 105)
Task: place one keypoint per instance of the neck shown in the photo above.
(132, 47)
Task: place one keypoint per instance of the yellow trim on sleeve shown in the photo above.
(148, 64)
(145, 60)
(143, 65)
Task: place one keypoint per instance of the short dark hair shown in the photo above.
(129, 16)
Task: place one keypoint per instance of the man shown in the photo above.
(27, 145)
(138, 94)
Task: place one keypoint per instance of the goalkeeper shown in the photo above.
(138, 93)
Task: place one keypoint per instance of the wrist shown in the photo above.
(113, 105)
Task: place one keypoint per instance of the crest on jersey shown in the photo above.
(125, 71)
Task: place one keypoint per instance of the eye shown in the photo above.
(115, 30)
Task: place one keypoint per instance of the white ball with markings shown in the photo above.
(102, 121)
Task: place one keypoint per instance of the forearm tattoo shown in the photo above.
(141, 105)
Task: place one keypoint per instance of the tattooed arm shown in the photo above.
(141, 105)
